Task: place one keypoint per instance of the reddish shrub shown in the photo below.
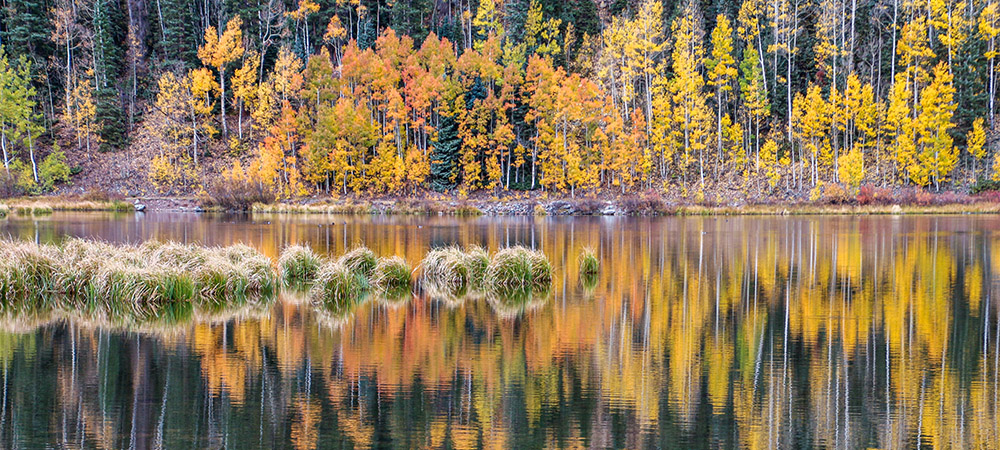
(647, 203)
(874, 195)
(988, 197)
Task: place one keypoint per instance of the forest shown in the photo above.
(281, 99)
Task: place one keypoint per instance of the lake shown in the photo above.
(698, 332)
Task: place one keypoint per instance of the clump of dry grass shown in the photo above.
(450, 274)
(589, 264)
(298, 264)
(337, 286)
(446, 268)
(360, 261)
(392, 278)
(516, 269)
(142, 281)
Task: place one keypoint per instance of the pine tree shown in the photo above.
(444, 174)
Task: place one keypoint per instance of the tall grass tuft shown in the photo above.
(589, 264)
(361, 261)
(446, 268)
(392, 278)
(28, 275)
(477, 259)
(516, 269)
(298, 264)
(127, 281)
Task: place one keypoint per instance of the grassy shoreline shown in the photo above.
(617, 209)
(35, 206)
(537, 206)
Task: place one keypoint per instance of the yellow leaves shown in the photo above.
(202, 85)
(913, 45)
(162, 173)
(488, 20)
(851, 168)
(748, 20)
(722, 67)
(276, 162)
(245, 78)
(287, 75)
(769, 162)
(304, 10)
(540, 35)
(84, 111)
(938, 156)
(221, 49)
(335, 30)
(976, 139)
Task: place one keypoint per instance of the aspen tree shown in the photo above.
(976, 140)
(721, 72)
(218, 51)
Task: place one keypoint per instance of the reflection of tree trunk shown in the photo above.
(142, 398)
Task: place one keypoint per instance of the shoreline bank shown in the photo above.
(499, 207)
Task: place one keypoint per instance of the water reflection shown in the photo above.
(698, 333)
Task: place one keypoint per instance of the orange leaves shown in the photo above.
(276, 163)
(566, 109)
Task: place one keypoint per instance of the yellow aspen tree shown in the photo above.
(937, 157)
(644, 47)
(989, 28)
(721, 73)
(976, 142)
(755, 98)
(488, 21)
(201, 106)
(736, 154)
(769, 162)
(276, 162)
(995, 172)
(541, 36)
(245, 85)
(897, 126)
(287, 75)
(300, 17)
(612, 67)
(218, 51)
(811, 125)
(173, 113)
(689, 100)
(664, 136)
(852, 168)
(84, 112)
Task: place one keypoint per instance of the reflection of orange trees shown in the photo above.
(774, 321)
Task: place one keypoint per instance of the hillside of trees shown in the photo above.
(398, 97)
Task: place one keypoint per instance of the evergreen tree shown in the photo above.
(445, 158)
(111, 119)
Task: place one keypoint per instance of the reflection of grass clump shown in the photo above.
(392, 278)
(336, 284)
(360, 260)
(298, 264)
(516, 269)
(512, 303)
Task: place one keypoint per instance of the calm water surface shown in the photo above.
(749, 332)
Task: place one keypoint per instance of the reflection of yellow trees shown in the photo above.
(814, 323)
